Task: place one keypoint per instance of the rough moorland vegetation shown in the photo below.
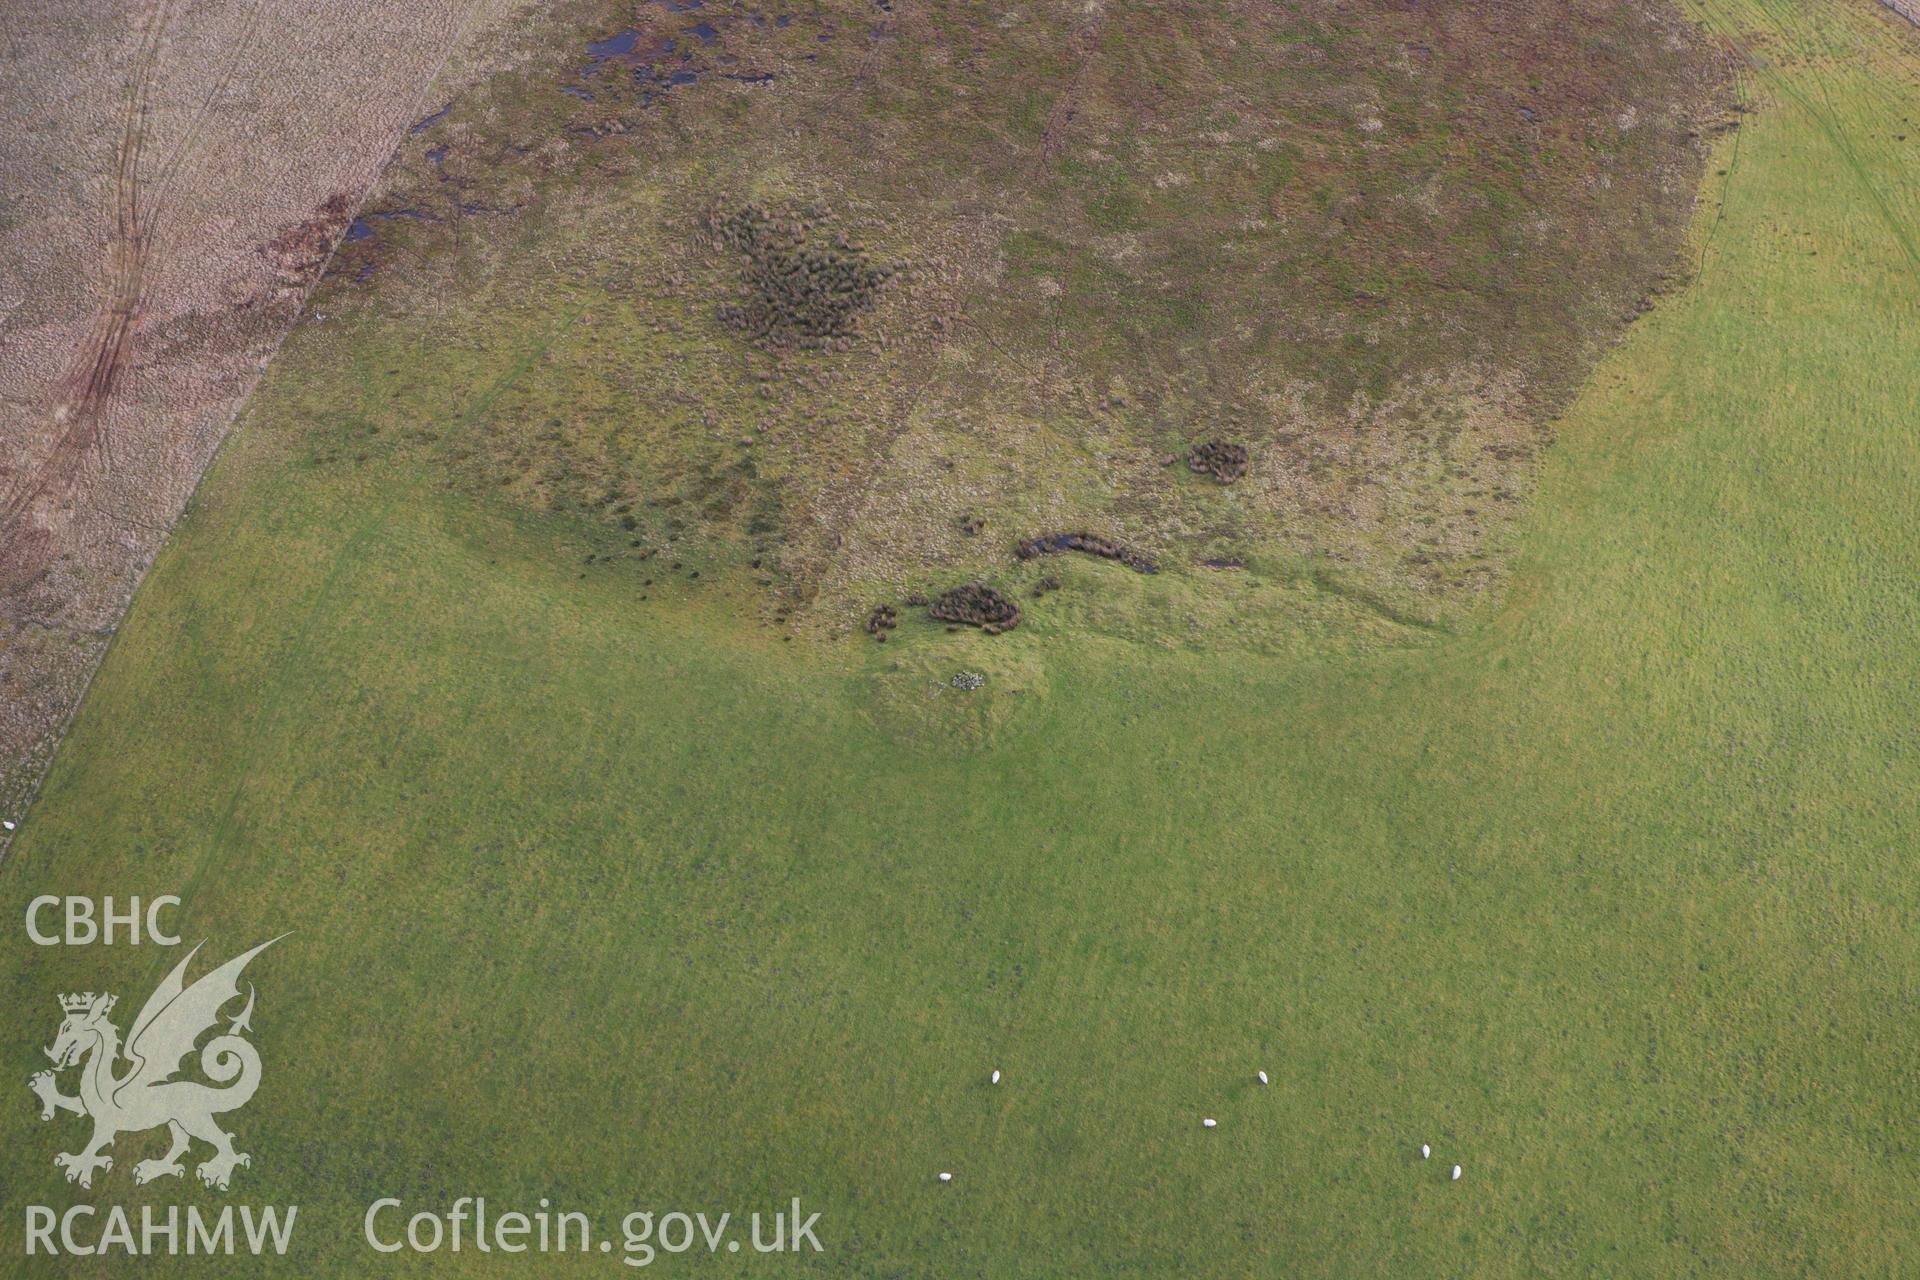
(825, 293)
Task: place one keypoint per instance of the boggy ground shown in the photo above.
(1374, 245)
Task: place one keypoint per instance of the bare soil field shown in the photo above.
(175, 178)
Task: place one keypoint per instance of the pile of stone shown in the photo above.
(968, 681)
(1226, 462)
(882, 620)
(1056, 543)
(977, 606)
(802, 288)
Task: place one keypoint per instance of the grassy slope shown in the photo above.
(1610, 900)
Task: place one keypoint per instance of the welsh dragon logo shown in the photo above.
(146, 1095)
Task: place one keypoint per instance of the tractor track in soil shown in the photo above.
(102, 359)
(225, 131)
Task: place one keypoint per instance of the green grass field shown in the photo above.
(1609, 897)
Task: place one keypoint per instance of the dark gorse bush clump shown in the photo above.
(802, 286)
(977, 606)
(1225, 461)
(1090, 544)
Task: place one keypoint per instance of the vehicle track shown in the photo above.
(171, 141)
(1815, 30)
(101, 359)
